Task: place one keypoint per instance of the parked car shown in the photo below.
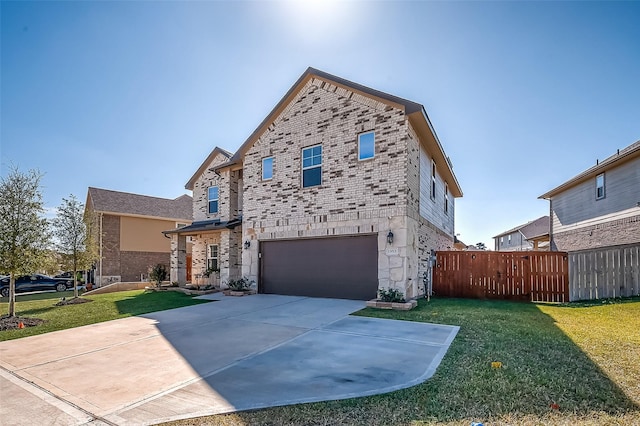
(35, 282)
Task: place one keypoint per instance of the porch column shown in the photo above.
(179, 259)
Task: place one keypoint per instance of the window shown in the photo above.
(446, 199)
(312, 166)
(501, 240)
(212, 257)
(509, 239)
(433, 180)
(267, 168)
(180, 225)
(213, 199)
(366, 145)
(600, 186)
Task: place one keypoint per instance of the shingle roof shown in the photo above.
(531, 229)
(108, 201)
(622, 155)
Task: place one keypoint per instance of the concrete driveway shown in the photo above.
(229, 355)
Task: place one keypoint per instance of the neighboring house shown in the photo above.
(532, 235)
(129, 228)
(342, 190)
(600, 207)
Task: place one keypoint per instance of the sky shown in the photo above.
(133, 95)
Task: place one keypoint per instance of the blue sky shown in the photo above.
(132, 96)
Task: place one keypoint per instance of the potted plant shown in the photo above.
(391, 299)
(239, 287)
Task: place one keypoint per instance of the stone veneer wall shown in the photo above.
(356, 197)
(616, 232)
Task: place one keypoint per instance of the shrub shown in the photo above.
(158, 273)
(240, 284)
(390, 295)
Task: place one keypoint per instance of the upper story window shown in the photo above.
(267, 168)
(213, 199)
(600, 186)
(366, 145)
(501, 240)
(446, 199)
(312, 166)
(509, 239)
(433, 180)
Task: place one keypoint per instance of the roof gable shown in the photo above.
(124, 203)
(622, 156)
(413, 110)
(539, 226)
(216, 151)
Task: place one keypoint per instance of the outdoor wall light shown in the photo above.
(247, 244)
(390, 237)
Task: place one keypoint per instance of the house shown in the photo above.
(340, 191)
(129, 228)
(532, 235)
(599, 207)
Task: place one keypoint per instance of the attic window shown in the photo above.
(600, 186)
(267, 168)
(366, 146)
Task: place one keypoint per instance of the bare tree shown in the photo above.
(24, 232)
(73, 238)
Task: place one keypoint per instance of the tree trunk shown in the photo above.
(12, 294)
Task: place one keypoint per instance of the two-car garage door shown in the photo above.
(336, 267)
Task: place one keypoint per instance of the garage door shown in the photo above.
(341, 267)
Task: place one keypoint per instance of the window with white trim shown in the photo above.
(267, 168)
(312, 166)
(212, 257)
(509, 239)
(213, 199)
(366, 145)
(433, 180)
(600, 186)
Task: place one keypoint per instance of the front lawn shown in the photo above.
(104, 307)
(561, 365)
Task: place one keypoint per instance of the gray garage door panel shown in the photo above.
(340, 267)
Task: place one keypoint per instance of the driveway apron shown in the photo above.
(229, 355)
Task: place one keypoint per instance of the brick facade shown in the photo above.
(355, 197)
(612, 233)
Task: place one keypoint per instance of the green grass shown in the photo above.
(104, 307)
(583, 357)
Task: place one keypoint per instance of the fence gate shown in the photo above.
(524, 275)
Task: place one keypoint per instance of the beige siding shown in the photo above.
(141, 234)
(432, 209)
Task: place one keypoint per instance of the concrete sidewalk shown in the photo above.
(230, 355)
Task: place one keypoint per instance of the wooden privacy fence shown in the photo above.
(530, 276)
(605, 272)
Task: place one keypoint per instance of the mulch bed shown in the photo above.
(73, 301)
(12, 323)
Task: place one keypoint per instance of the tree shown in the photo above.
(158, 273)
(24, 232)
(73, 239)
(481, 246)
